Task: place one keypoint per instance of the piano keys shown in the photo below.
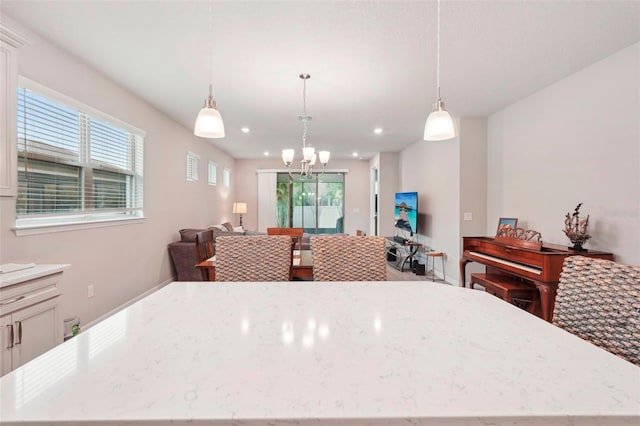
(538, 268)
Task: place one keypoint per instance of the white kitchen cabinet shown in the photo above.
(28, 333)
(10, 42)
(29, 314)
(8, 162)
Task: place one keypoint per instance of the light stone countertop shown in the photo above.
(391, 353)
(27, 274)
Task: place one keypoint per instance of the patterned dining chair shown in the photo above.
(253, 258)
(599, 301)
(205, 250)
(294, 233)
(349, 258)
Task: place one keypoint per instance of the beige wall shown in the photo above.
(127, 260)
(473, 177)
(576, 141)
(433, 170)
(356, 190)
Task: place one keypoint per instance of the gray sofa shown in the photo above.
(183, 253)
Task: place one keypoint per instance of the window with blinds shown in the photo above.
(74, 162)
(193, 160)
(213, 173)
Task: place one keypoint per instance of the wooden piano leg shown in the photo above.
(547, 300)
(463, 265)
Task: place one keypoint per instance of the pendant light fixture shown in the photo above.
(209, 121)
(439, 125)
(309, 155)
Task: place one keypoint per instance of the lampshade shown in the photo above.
(287, 156)
(323, 156)
(209, 123)
(439, 125)
(239, 208)
(307, 153)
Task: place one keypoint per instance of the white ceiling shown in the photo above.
(371, 63)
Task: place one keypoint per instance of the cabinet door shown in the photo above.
(36, 330)
(6, 340)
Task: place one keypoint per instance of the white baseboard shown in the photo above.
(87, 326)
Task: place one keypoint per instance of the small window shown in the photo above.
(75, 164)
(226, 177)
(213, 173)
(192, 167)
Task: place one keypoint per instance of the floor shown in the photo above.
(394, 274)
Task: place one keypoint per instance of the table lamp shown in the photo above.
(240, 208)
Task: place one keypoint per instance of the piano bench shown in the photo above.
(507, 289)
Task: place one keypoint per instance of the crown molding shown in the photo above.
(14, 38)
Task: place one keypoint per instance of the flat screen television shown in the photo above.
(406, 213)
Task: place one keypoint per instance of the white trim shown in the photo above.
(70, 102)
(126, 304)
(13, 37)
(294, 173)
(73, 225)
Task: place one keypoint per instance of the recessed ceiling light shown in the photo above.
(377, 130)
(245, 130)
(266, 153)
(355, 154)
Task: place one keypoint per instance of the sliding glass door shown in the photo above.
(315, 204)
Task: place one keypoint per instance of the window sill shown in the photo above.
(73, 225)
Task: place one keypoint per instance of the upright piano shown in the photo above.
(539, 268)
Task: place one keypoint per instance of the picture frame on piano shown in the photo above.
(503, 222)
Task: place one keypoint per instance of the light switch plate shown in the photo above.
(468, 216)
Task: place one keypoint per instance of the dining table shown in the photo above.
(322, 353)
(301, 265)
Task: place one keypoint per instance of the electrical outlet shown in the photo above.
(468, 216)
(90, 291)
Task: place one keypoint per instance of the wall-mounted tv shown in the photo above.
(406, 213)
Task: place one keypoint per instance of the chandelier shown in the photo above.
(309, 156)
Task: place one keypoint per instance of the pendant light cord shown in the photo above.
(438, 54)
(210, 48)
(304, 113)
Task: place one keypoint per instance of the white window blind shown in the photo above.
(193, 161)
(226, 177)
(72, 162)
(213, 173)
